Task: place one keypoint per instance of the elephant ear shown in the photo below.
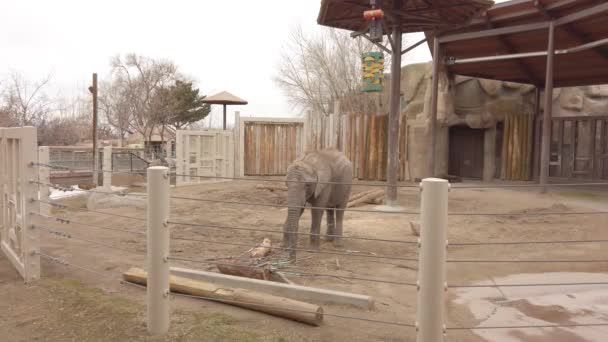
(323, 177)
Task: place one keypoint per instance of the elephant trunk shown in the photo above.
(296, 200)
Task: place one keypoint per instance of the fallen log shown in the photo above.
(244, 271)
(366, 198)
(274, 305)
(271, 187)
(361, 194)
(309, 294)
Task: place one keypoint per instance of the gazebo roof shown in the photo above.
(521, 26)
(224, 98)
(416, 15)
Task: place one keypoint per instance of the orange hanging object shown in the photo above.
(373, 14)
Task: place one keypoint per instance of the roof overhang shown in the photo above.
(509, 43)
(412, 15)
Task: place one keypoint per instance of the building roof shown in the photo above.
(524, 26)
(224, 98)
(416, 15)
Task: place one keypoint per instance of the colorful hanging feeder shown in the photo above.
(373, 71)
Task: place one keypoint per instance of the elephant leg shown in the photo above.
(338, 230)
(315, 228)
(331, 225)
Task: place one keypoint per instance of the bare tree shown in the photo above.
(137, 80)
(316, 70)
(25, 102)
(115, 109)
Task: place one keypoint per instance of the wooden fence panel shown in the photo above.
(270, 145)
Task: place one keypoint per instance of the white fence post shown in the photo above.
(431, 281)
(158, 250)
(107, 168)
(44, 176)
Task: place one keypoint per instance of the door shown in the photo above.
(466, 152)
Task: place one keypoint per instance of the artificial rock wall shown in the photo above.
(479, 104)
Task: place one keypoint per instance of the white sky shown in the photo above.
(231, 45)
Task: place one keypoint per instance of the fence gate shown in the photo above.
(19, 241)
(205, 153)
(269, 145)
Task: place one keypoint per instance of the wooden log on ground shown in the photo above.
(360, 194)
(309, 294)
(365, 199)
(244, 271)
(278, 306)
(271, 187)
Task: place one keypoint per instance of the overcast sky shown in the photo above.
(231, 45)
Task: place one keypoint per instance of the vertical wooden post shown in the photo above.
(107, 168)
(44, 176)
(433, 113)
(31, 236)
(93, 90)
(393, 117)
(433, 244)
(158, 250)
(546, 139)
(224, 117)
(537, 139)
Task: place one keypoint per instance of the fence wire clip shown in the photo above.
(166, 293)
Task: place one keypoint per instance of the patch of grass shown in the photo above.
(75, 311)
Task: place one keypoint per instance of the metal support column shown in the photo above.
(433, 114)
(546, 135)
(393, 119)
(224, 117)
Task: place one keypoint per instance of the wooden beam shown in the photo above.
(305, 293)
(511, 49)
(602, 52)
(494, 32)
(274, 305)
(548, 108)
(591, 11)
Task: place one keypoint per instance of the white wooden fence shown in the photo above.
(201, 155)
(18, 159)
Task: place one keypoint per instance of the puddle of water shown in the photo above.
(542, 305)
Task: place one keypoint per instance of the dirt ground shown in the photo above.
(71, 304)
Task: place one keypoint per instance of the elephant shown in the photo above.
(313, 178)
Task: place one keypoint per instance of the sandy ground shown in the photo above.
(70, 304)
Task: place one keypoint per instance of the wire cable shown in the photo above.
(213, 226)
(297, 181)
(68, 221)
(294, 206)
(63, 206)
(527, 285)
(64, 262)
(531, 213)
(531, 326)
(458, 244)
(70, 236)
(506, 186)
(526, 261)
(299, 272)
(295, 249)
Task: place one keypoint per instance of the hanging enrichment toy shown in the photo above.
(373, 71)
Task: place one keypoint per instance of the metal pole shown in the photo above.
(93, 90)
(431, 282)
(224, 116)
(107, 168)
(158, 250)
(433, 113)
(536, 163)
(546, 137)
(393, 118)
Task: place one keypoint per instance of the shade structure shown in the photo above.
(400, 16)
(409, 16)
(224, 98)
(520, 27)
